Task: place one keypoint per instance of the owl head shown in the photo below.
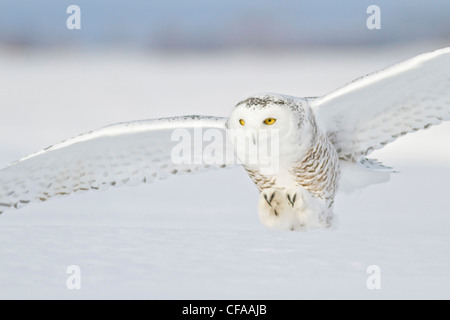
(278, 122)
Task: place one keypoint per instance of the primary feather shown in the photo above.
(123, 154)
(375, 110)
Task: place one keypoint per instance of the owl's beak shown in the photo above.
(254, 137)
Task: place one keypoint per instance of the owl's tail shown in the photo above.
(358, 175)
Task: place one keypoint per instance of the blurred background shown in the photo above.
(201, 25)
(195, 237)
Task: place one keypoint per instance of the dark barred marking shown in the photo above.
(262, 101)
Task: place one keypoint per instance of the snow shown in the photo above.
(198, 237)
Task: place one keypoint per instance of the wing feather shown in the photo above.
(122, 154)
(375, 110)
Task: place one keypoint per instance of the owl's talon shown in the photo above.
(292, 200)
(269, 201)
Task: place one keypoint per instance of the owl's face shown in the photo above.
(272, 125)
(266, 112)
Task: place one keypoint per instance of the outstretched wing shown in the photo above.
(122, 154)
(376, 109)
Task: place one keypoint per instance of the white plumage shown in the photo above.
(374, 110)
(122, 154)
(323, 143)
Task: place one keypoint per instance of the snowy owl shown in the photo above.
(322, 145)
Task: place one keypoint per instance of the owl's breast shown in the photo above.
(317, 171)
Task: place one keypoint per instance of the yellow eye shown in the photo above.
(242, 122)
(270, 121)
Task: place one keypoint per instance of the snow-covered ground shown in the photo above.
(199, 236)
